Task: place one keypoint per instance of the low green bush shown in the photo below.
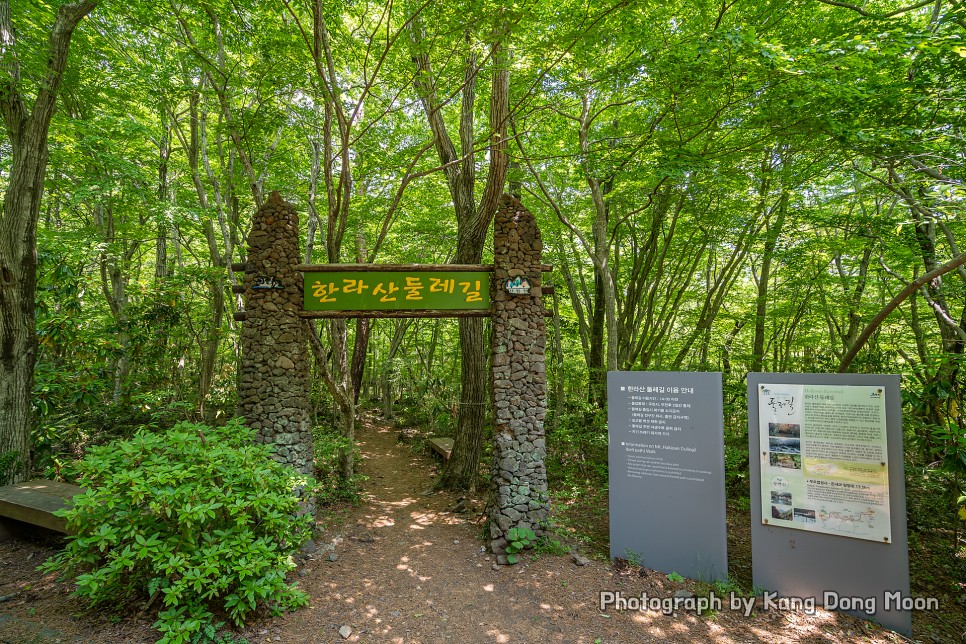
(200, 518)
(520, 539)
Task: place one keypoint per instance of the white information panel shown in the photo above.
(824, 459)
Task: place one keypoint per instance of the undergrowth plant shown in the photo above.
(520, 539)
(198, 520)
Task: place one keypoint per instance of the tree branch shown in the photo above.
(880, 317)
(862, 12)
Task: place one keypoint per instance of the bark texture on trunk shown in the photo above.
(27, 132)
(473, 224)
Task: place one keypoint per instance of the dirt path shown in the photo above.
(408, 569)
(403, 567)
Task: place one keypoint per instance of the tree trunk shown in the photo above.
(27, 132)
(345, 405)
(596, 366)
(161, 243)
(604, 314)
(18, 324)
(473, 223)
(195, 144)
(113, 264)
(398, 333)
(462, 468)
(558, 353)
(772, 233)
(360, 347)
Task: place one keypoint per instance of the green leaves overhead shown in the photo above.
(661, 145)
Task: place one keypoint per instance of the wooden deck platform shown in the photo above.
(36, 501)
(442, 446)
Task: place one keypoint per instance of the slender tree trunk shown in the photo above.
(855, 299)
(398, 333)
(345, 404)
(27, 132)
(726, 352)
(113, 265)
(604, 315)
(773, 232)
(363, 325)
(161, 243)
(195, 144)
(558, 387)
(717, 289)
(596, 364)
(473, 223)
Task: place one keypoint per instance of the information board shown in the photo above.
(666, 470)
(844, 420)
(396, 290)
(824, 462)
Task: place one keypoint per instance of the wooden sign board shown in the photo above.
(397, 290)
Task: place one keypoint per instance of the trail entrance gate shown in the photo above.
(280, 293)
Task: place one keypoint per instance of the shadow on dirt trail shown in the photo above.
(403, 567)
(408, 569)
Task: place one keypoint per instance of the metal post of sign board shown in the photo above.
(826, 449)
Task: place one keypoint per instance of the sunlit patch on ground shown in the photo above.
(424, 579)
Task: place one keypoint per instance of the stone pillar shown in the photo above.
(274, 384)
(519, 376)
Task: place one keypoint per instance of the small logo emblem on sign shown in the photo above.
(518, 286)
(266, 282)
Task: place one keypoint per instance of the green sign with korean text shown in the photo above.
(404, 290)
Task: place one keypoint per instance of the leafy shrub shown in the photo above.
(199, 517)
(551, 546)
(8, 466)
(329, 446)
(577, 447)
(736, 468)
(520, 539)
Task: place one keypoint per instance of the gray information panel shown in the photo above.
(840, 556)
(666, 463)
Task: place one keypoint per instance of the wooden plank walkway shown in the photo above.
(36, 501)
(442, 446)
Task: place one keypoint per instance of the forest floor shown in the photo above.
(403, 566)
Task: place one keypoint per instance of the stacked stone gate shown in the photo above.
(274, 382)
(519, 381)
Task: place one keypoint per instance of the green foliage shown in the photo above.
(930, 496)
(520, 539)
(578, 446)
(199, 517)
(727, 587)
(329, 446)
(551, 546)
(936, 454)
(675, 577)
(7, 466)
(431, 406)
(736, 467)
(698, 133)
(634, 558)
